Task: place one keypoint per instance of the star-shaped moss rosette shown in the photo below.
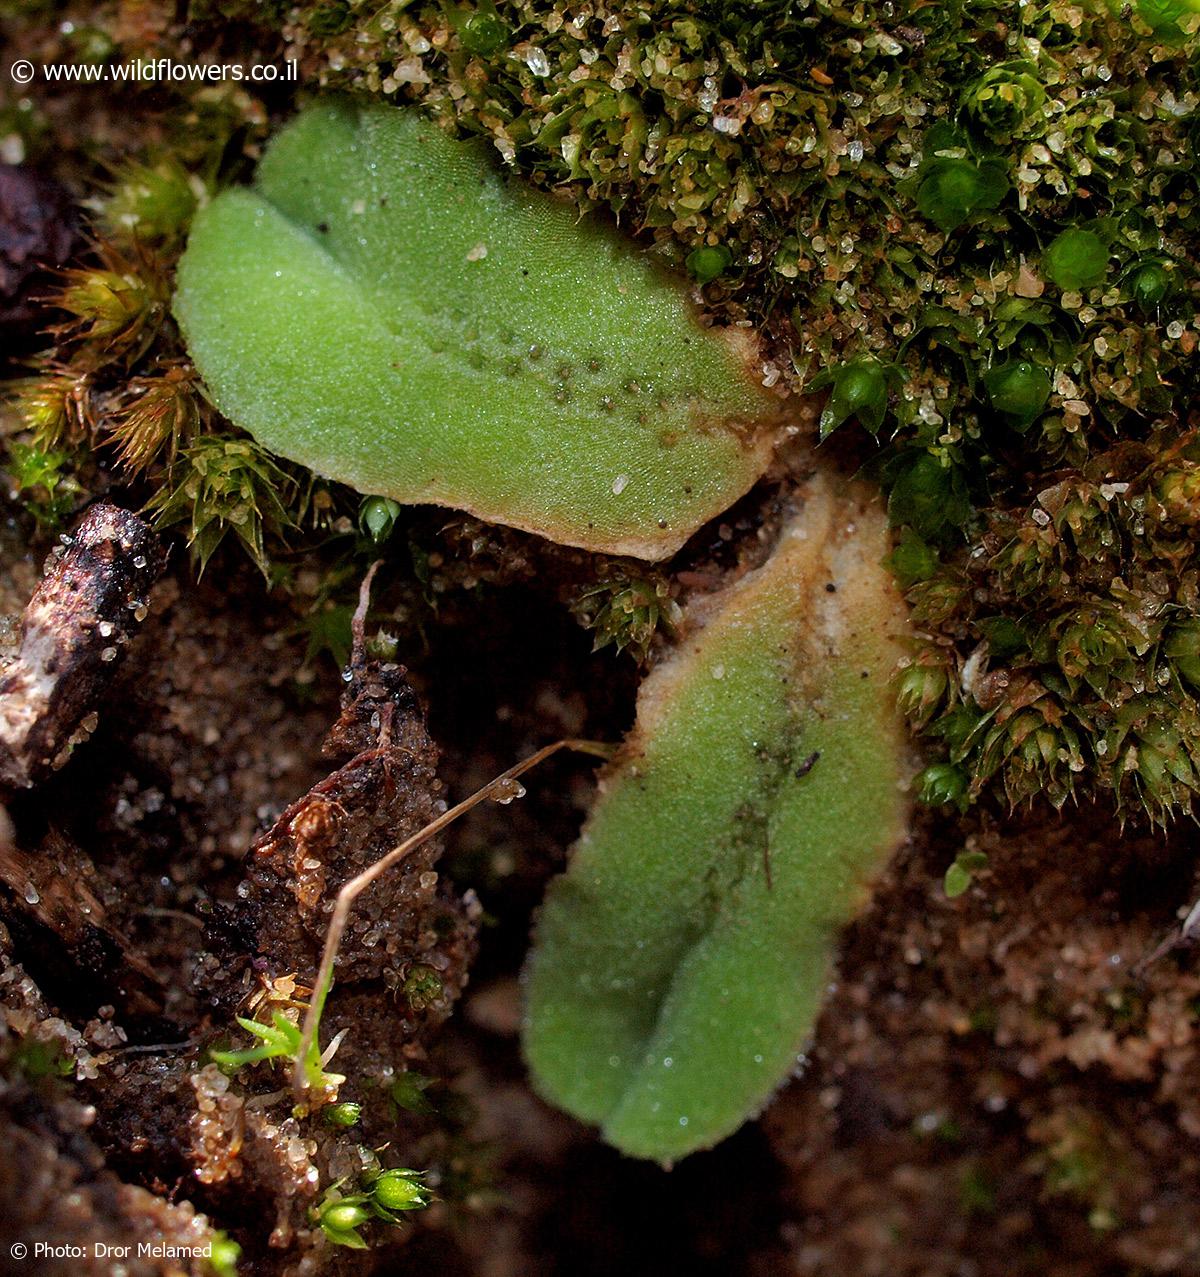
(384, 308)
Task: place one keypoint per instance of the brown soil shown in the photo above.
(996, 1085)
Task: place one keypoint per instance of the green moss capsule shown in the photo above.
(1019, 390)
(1076, 259)
(955, 190)
(860, 390)
(708, 261)
(1149, 286)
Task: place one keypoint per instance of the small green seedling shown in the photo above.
(1150, 285)
(398, 1190)
(1162, 16)
(377, 518)
(282, 1040)
(680, 963)
(627, 610)
(943, 783)
(407, 1091)
(37, 1058)
(858, 389)
(1018, 390)
(959, 876)
(386, 309)
(310, 1084)
(708, 262)
(386, 1196)
(1006, 100)
(223, 1255)
(342, 1116)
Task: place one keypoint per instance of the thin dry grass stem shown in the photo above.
(358, 622)
(501, 789)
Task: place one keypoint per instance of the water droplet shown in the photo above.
(620, 483)
(505, 790)
(31, 894)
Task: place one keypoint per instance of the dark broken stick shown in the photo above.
(72, 633)
(50, 898)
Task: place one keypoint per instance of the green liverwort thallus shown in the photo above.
(680, 962)
(387, 309)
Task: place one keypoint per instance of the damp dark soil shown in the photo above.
(1006, 1082)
